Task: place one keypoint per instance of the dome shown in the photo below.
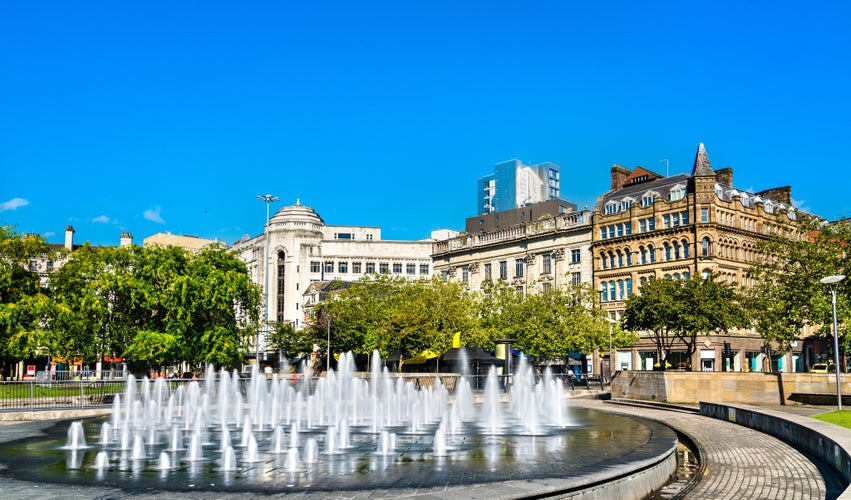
(297, 213)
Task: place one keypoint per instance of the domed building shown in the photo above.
(303, 250)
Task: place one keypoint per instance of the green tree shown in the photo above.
(787, 294)
(24, 303)
(675, 312)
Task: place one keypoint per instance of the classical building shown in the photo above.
(59, 254)
(650, 226)
(531, 256)
(515, 185)
(304, 250)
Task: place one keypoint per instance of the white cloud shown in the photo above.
(102, 219)
(153, 215)
(13, 204)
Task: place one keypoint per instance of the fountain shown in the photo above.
(379, 425)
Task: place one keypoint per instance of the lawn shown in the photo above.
(839, 417)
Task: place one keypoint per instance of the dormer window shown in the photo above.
(677, 193)
(647, 200)
(625, 204)
(611, 208)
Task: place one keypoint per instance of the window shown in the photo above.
(603, 233)
(652, 252)
(575, 256)
(642, 226)
(369, 237)
(684, 218)
(343, 267)
(625, 204)
(503, 270)
(677, 193)
(546, 264)
(329, 266)
(705, 247)
(315, 266)
(676, 250)
(620, 290)
(643, 252)
(647, 200)
(356, 267)
(604, 291)
(611, 208)
(344, 236)
(675, 220)
(704, 215)
(603, 260)
(383, 268)
(619, 228)
(627, 228)
(628, 257)
(370, 267)
(411, 269)
(397, 268)
(465, 274)
(620, 259)
(685, 249)
(651, 224)
(546, 287)
(518, 268)
(667, 251)
(488, 272)
(611, 260)
(612, 290)
(444, 275)
(424, 269)
(576, 278)
(628, 287)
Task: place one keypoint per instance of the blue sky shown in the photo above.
(173, 116)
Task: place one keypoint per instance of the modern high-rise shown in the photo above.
(514, 185)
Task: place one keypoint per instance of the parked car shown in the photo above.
(822, 368)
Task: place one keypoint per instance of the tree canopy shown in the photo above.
(675, 312)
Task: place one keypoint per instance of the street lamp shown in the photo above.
(612, 324)
(833, 283)
(328, 356)
(268, 199)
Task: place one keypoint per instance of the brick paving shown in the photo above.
(740, 462)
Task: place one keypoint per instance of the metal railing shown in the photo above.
(83, 393)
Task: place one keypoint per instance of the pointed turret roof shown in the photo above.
(702, 167)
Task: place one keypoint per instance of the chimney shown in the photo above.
(619, 175)
(724, 176)
(69, 238)
(126, 239)
(783, 194)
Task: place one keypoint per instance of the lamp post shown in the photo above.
(268, 199)
(833, 283)
(328, 327)
(612, 324)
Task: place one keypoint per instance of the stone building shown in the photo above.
(650, 226)
(191, 243)
(304, 250)
(531, 256)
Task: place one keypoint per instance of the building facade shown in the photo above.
(304, 250)
(650, 226)
(531, 256)
(191, 243)
(515, 185)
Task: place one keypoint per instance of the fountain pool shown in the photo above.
(341, 433)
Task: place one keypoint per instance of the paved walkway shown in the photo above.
(740, 462)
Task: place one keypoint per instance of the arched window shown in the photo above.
(620, 258)
(643, 252)
(705, 274)
(604, 292)
(620, 290)
(667, 251)
(686, 276)
(652, 252)
(628, 287)
(705, 247)
(612, 290)
(685, 249)
(676, 250)
(677, 276)
(667, 276)
(628, 257)
(611, 260)
(603, 259)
